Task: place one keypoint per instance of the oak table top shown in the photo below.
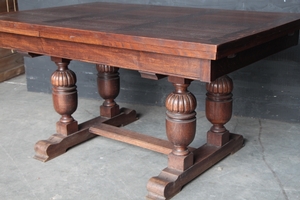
(152, 32)
(183, 44)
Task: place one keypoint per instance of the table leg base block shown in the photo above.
(170, 181)
(58, 144)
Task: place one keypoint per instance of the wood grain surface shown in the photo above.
(193, 32)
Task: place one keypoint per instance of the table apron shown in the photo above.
(186, 67)
(180, 66)
(226, 65)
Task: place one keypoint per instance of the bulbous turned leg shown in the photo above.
(219, 109)
(64, 95)
(108, 88)
(181, 129)
(183, 165)
(180, 124)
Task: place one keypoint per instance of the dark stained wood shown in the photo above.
(236, 61)
(28, 54)
(219, 109)
(58, 144)
(180, 123)
(140, 61)
(11, 63)
(5, 52)
(155, 32)
(64, 95)
(65, 100)
(108, 87)
(150, 75)
(183, 44)
(143, 28)
(8, 5)
(170, 181)
(131, 137)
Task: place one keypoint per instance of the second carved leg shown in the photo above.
(185, 165)
(108, 88)
(219, 109)
(181, 129)
(64, 93)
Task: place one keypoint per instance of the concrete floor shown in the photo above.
(267, 168)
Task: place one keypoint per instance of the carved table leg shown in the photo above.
(181, 129)
(185, 164)
(64, 94)
(219, 110)
(108, 88)
(181, 124)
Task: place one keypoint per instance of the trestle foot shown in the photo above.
(58, 144)
(170, 181)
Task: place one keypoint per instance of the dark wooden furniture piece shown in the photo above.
(182, 44)
(11, 63)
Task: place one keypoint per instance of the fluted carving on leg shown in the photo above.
(64, 95)
(181, 124)
(181, 130)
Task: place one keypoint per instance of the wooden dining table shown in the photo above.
(180, 44)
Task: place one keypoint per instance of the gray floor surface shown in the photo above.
(267, 168)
